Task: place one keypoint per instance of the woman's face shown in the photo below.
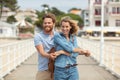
(65, 27)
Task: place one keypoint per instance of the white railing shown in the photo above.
(111, 54)
(13, 54)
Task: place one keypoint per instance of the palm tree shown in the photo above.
(1, 7)
(46, 7)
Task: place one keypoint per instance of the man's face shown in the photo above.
(48, 25)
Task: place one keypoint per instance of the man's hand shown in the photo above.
(52, 56)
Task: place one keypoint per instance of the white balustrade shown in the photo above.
(13, 54)
(111, 53)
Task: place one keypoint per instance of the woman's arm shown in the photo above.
(69, 47)
(57, 53)
(82, 52)
(58, 39)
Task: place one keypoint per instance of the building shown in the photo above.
(22, 14)
(111, 18)
(75, 11)
(6, 12)
(8, 30)
(85, 17)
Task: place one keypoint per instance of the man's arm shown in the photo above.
(40, 49)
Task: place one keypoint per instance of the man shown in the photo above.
(43, 43)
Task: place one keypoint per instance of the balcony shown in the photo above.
(97, 4)
(114, 13)
(97, 15)
(113, 3)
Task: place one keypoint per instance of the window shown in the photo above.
(1, 31)
(117, 0)
(98, 1)
(86, 14)
(97, 11)
(113, 10)
(97, 23)
(111, 0)
(106, 10)
(117, 22)
(118, 9)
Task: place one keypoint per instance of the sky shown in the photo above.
(63, 5)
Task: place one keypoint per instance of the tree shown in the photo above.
(12, 4)
(11, 19)
(28, 19)
(1, 6)
(46, 7)
(57, 12)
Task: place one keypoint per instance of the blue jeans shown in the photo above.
(66, 73)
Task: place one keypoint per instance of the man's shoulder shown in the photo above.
(38, 35)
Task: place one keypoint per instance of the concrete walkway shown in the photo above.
(88, 70)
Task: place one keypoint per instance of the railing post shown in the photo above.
(102, 35)
(113, 55)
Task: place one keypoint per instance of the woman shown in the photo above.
(65, 66)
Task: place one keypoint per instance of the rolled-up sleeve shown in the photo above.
(58, 39)
(37, 40)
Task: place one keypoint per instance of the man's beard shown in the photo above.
(48, 29)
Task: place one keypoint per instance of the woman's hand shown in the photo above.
(86, 53)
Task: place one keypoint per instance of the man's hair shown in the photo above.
(72, 23)
(49, 15)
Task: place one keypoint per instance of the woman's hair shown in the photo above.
(49, 15)
(73, 24)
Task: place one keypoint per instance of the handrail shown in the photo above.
(111, 54)
(13, 54)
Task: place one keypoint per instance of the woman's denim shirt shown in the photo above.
(61, 43)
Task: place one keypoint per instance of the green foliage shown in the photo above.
(25, 30)
(12, 4)
(11, 19)
(28, 19)
(39, 22)
(73, 16)
(59, 14)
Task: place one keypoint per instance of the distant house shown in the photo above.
(75, 11)
(22, 14)
(8, 30)
(6, 12)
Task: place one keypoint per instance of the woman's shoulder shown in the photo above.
(57, 34)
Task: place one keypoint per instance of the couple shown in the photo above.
(66, 49)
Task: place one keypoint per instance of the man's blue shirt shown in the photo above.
(47, 41)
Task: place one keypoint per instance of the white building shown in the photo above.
(22, 14)
(111, 17)
(8, 30)
(85, 16)
(113, 13)
(6, 12)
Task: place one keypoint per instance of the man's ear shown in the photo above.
(54, 24)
